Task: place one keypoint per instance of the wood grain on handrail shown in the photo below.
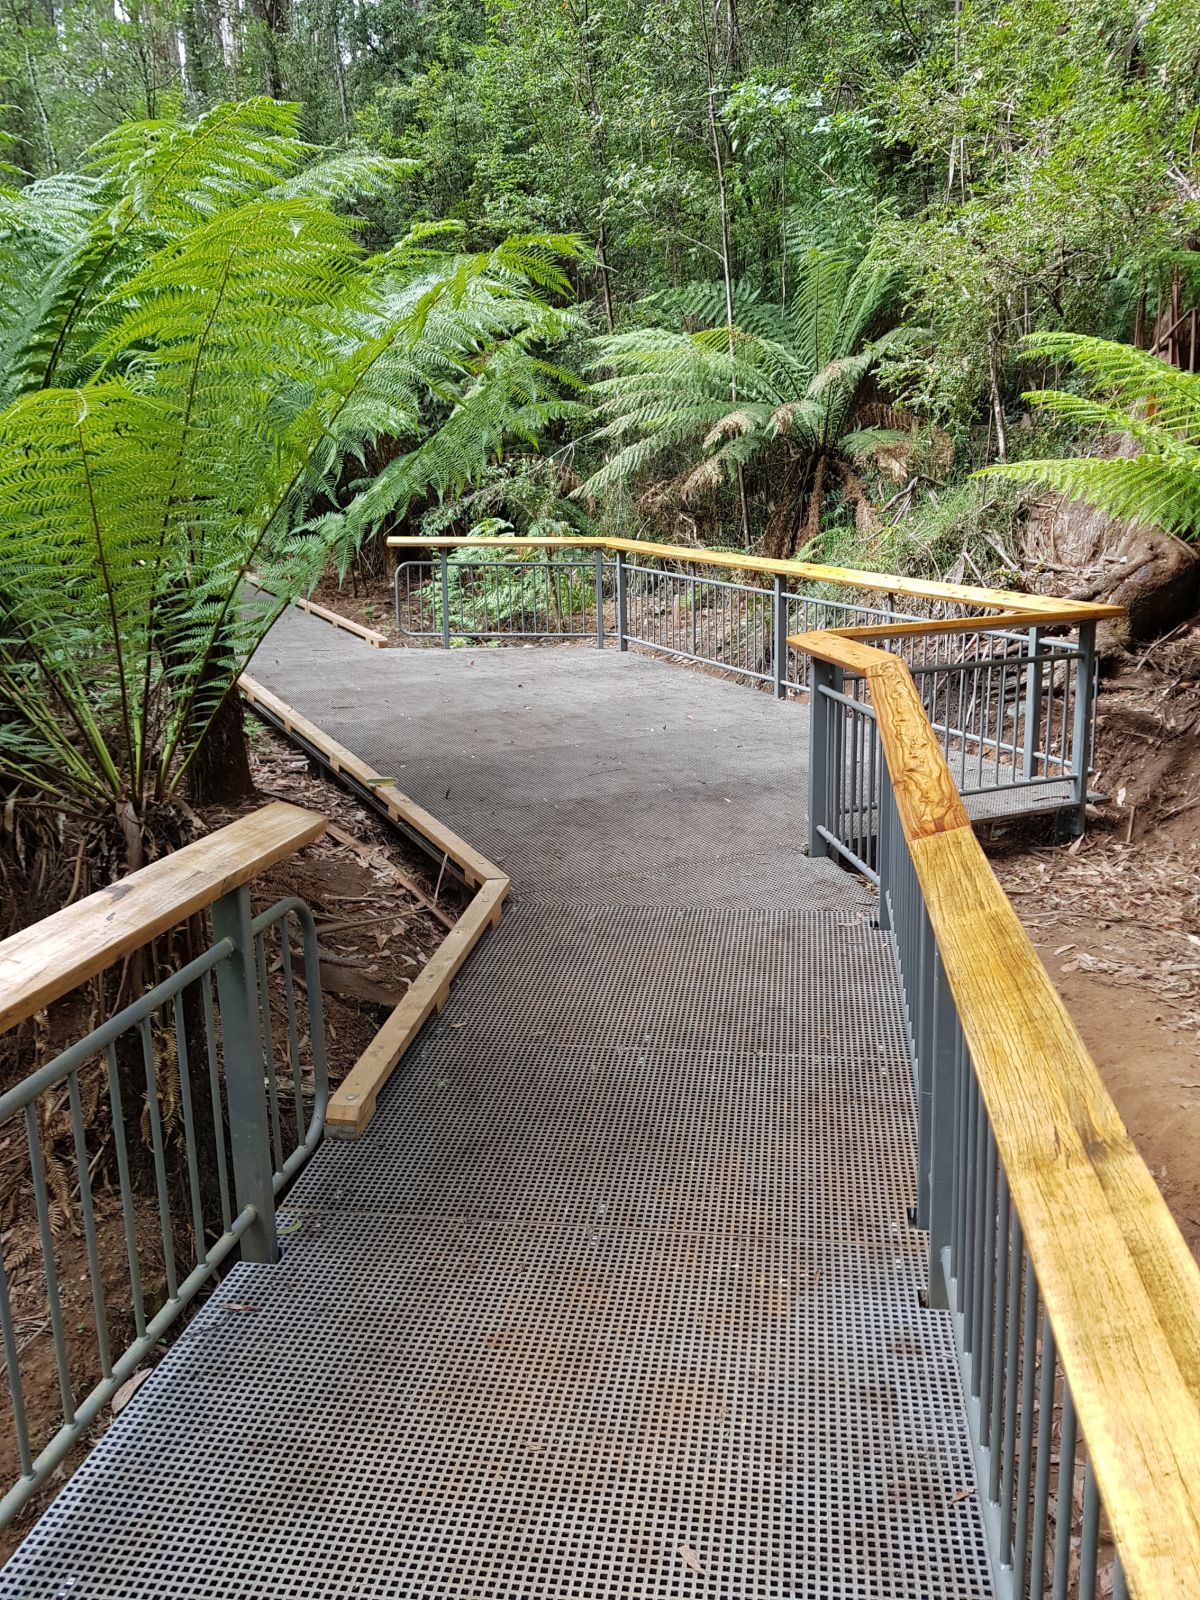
(1002, 600)
(50, 958)
(1119, 1283)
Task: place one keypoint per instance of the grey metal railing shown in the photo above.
(465, 596)
(1014, 708)
(144, 1154)
(1014, 714)
(1035, 1483)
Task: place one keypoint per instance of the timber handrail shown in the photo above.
(1010, 607)
(1120, 1286)
(45, 961)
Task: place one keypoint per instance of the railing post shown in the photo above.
(943, 1034)
(622, 602)
(821, 775)
(1033, 702)
(599, 598)
(1081, 740)
(444, 565)
(241, 1047)
(887, 824)
(779, 637)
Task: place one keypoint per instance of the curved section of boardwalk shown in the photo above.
(617, 1297)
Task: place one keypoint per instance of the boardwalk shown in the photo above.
(617, 1297)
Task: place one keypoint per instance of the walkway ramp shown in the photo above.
(617, 1296)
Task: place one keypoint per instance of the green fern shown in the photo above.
(1128, 393)
(797, 371)
(229, 350)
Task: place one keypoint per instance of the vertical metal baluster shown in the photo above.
(1120, 1588)
(1016, 1259)
(985, 1290)
(126, 1188)
(160, 1158)
(975, 1299)
(970, 1262)
(1029, 1358)
(1064, 1511)
(88, 1215)
(12, 1367)
(41, 1201)
(289, 1001)
(1068, 700)
(999, 1351)
(189, 1130)
(598, 573)
(960, 1154)
(218, 1107)
(444, 565)
(1089, 1536)
(1001, 707)
(1045, 1434)
(268, 1043)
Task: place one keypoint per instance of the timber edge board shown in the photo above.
(371, 636)
(352, 1104)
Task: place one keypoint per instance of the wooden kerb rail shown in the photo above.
(352, 1105)
(1119, 1286)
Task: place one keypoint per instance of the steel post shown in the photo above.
(1033, 703)
(241, 1042)
(599, 599)
(779, 637)
(938, 1077)
(820, 775)
(1081, 739)
(444, 565)
(622, 602)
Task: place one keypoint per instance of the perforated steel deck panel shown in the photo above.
(617, 1296)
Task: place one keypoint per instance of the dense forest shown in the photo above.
(854, 279)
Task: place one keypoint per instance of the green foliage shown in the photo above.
(1132, 394)
(784, 383)
(213, 347)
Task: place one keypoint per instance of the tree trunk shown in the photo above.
(219, 772)
(811, 530)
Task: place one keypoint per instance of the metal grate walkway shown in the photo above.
(617, 1296)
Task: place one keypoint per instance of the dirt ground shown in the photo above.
(380, 912)
(1116, 917)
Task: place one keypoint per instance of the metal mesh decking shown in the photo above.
(617, 1296)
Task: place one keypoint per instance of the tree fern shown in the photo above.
(797, 370)
(1128, 393)
(230, 350)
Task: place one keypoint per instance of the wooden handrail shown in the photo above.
(1119, 1283)
(50, 958)
(1011, 605)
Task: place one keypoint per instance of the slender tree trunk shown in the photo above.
(605, 285)
(994, 375)
(727, 277)
(339, 68)
(816, 504)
